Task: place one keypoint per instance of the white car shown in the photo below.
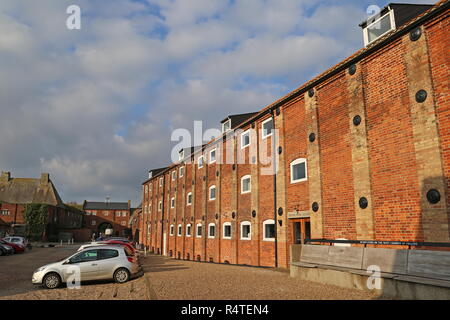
(90, 245)
(95, 263)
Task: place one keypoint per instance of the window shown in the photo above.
(161, 181)
(298, 171)
(245, 139)
(212, 193)
(124, 213)
(106, 213)
(199, 230)
(149, 228)
(246, 231)
(189, 198)
(212, 156)
(94, 213)
(188, 230)
(181, 172)
(93, 222)
(174, 175)
(211, 230)
(118, 214)
(379, 27)
(172, 203)
(86, 256)
(267, 128)
(103, 254)
(159, 205)
(269, 230)
(146, 189)
(227, 230)
(180, 230)
(172, 229)
(123, 223)
(246, 185)
(226, 126)
(200, 162)
(4, 212)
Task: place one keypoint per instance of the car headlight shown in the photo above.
(39, 269)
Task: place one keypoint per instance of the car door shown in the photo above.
(107, 260)
(87, 262)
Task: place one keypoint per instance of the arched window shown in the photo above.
(246, 230)
(299, 170)
(211, 231)
(199, 230)
(172, 229)
(188, 230)
(212, 193)
(180, 230)
(246, 185)
(269, 230)
(189, 198)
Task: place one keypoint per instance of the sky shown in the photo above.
(96, 107)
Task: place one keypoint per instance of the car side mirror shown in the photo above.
(67, 262)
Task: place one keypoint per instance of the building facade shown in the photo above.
(100, 216)
(362, 152)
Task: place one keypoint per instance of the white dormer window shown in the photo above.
(378, 27)
(226, 126)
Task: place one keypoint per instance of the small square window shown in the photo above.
(212, 230)
(246, 184)
(227, 230)
(269, 230)
(298, 171)
(267, 128)
(245, 231)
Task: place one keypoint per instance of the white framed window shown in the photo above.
(124, 213)
(246, 230)
(379, 27)
(149, 228)
(159, 205)
(200, 162)
(199, 230)
(212, 156)
(226, 126)
(180, 230)
(212, 193)
(172, 203)
(245, 139)
(267, 128)
(227, 230)
(299, 170)
(188, 230)
(269, 230)
(161, 181)
(246, 184)
(118, 214)
(189, 198)
(172, 229)
(211, 230)
(174, 175)
(181, 172)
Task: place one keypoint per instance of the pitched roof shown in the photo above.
(29, 190)
(88, 205)
(237, 119)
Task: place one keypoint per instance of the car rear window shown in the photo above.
(128, 252)
(107, 254)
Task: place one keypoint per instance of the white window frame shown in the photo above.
(209, 231)
(246, 223)
(161, 181)
(188, 226)
(223, 126)
(269, 221)
(202, 162)
(172, 202)
(174, 173)
(226, 224)
(180, 230)
(366, 29)
(172, 230)
(215, 155)
(262, 128)
(159, 205)
(294, 163)
(181, 172)
(243, 134)
(188, 203)
(209, 193)
(196, 230)
(242, 184)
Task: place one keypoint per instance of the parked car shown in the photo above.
(109, 242)
(18, 248)
(117, 263)
(6, 250)
(118, 242)
(18, 240)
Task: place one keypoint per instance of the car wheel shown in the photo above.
(51, 281)
(121, 275)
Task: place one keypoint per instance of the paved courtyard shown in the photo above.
(179, 280)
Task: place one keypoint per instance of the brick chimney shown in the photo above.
(45, 178)
(6, 176)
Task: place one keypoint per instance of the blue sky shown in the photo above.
(95, 107)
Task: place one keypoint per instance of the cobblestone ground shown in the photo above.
(180, 280)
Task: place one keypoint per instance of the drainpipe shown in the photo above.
(274, 190)
(162, 212)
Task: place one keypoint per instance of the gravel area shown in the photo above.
(172, 279)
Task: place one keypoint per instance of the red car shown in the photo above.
(18, 248)
(119, 242)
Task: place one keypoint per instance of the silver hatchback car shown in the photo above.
(95, 263)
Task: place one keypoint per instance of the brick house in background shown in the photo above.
(16, 193)
(100, 216)
(134, 223)
(363, 154)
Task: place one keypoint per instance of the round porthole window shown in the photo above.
(363, 203)
(280, 211)
(415, 34)
(421, 96)
(352, 69)
(233, 215)
(312, 137)
(315, 207)
(357, 120)
(433, 196)
(311, 93)
(253, 213)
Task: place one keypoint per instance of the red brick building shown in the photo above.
(16, 193)
(100, 216)
(362, 153)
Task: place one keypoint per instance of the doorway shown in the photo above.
(301, 230)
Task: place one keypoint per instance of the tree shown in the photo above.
(36, 217)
